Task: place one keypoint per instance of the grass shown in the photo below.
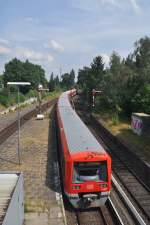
(52, 95)
(121, 128)
(47, 96)
(9, 99)
(34, 206)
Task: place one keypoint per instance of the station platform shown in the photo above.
(43, 199)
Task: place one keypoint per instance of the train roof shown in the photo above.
(78, 136)
(64, 100)
(7, 186)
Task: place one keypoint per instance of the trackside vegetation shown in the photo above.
(125, 83)
(16, 70)
(125, 86)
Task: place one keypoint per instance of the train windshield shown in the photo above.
(90, 171)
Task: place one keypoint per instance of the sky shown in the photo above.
(64, 34)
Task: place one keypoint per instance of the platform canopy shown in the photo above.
(19, 83)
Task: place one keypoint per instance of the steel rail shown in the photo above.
(128, 202)
(105, 218)
(140, 168)
(12, 127)
(117, 216)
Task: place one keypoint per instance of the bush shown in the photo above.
(4, 100)
(141, 101)
(32, 93)
(115, 119)
(7, 99)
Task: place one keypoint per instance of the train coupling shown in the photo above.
(88, 199)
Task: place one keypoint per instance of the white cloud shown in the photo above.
(30, 54)
(4, 50)
(4, 41)
(55, 45)
(50, 58)
(29, 19)
(97, 4)
(135, 6)
(114, 3)
(32, 19)
(106, 59)
(33, 55)
(85, 4)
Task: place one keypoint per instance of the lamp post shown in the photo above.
(18, 84)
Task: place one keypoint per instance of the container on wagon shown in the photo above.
(11, 199)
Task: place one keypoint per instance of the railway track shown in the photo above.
(12, 127)
(104, 215)
(136, 191)
(122, 213)
(140, 168)
(127, 210)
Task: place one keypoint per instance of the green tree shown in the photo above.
(72, 77)
(91, 77)
(141, 100)
(97, 65)
(142, 52)
(51, 82)
(1, 82)
(15, 70)
(125, 84)
(57, 82)
(86, 82)
(67, 81)
(115, 63)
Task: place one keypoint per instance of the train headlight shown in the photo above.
(103, 185)
(77, 187)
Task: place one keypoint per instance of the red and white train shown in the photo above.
(85, 165)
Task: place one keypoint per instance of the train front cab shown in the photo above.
(90, 181)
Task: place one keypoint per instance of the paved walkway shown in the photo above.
(43, 203)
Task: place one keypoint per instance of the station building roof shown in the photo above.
(7, 186)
